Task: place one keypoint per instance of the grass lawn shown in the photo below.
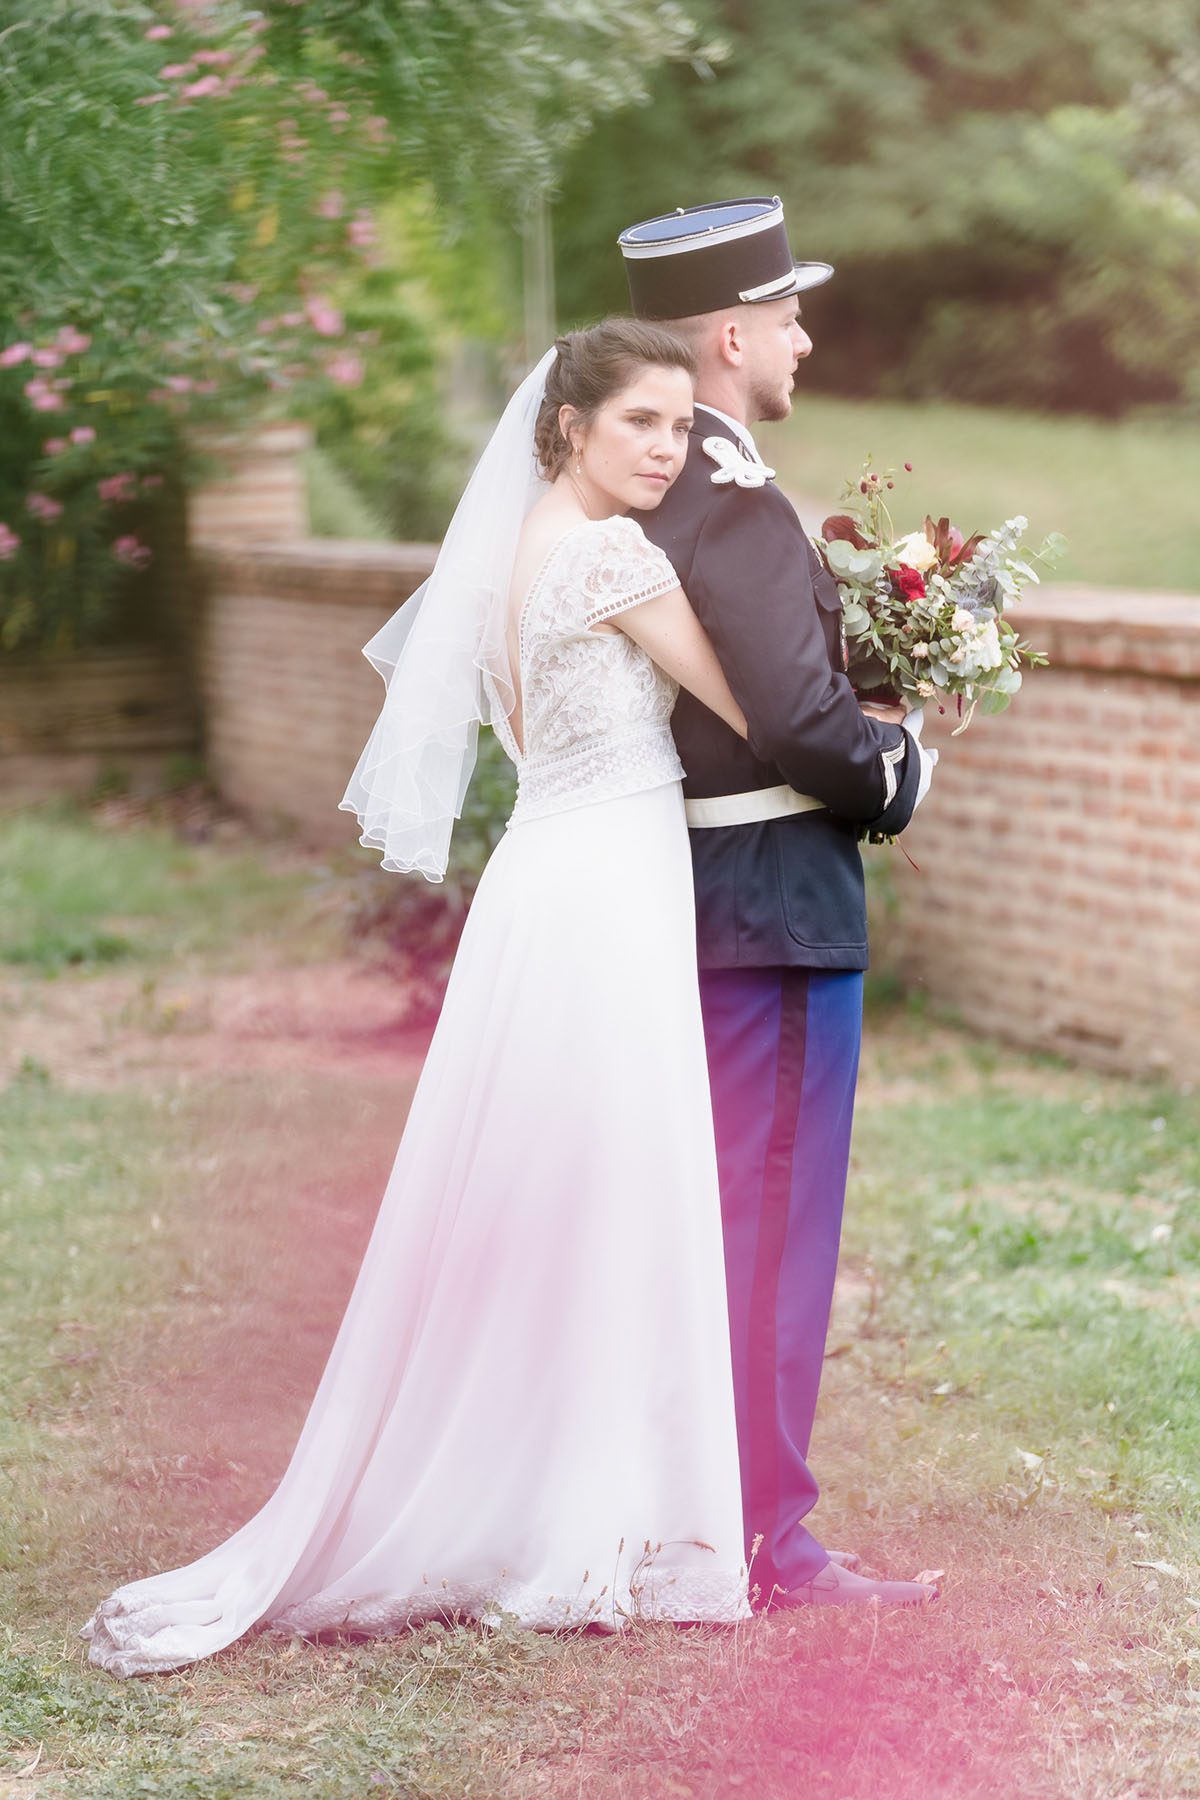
(1012, 1395)
(1120, 493)
(74, 896)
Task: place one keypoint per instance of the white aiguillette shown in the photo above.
(733, 467)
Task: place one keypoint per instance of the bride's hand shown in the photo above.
(891, 715)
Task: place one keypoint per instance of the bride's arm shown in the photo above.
(668, 631)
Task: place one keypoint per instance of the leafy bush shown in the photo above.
(1011, 195)
(173, 214)
(420, 922)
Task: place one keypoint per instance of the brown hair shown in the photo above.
(592, 366)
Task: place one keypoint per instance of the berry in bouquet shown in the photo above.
(924, 612)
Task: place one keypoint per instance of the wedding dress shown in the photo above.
(528, 1409)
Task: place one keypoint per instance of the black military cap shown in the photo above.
(698, 259)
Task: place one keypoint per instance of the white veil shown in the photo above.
(444, 658)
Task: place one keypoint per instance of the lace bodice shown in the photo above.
(596, 710)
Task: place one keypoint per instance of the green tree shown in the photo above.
(1011, 194)
(188, 231)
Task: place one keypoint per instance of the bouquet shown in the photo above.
(923, 614)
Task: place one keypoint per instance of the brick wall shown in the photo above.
(1057, 902)
(1058, 898)
(288, 698)
(253, 486)
(70, 720)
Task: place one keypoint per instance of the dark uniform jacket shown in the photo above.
(789, 890)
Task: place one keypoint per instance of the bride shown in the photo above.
(528, 1409)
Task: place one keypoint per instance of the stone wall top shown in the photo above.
(1078, 626)
(1085, 627)
(325, 569)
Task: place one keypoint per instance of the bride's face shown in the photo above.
(635, 446)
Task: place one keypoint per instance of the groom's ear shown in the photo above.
(731, 341)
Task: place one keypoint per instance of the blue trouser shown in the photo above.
(783, 1049)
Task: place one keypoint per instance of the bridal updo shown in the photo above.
(592, 366)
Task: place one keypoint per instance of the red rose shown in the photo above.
(910, 582)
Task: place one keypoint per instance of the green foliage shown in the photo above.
(486, 95)
(386, 437)
(1011, 194)
(167, 229)
(184, 192)
(420, 922)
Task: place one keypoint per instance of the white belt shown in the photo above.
(749, 809)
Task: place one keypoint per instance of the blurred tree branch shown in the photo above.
(1011, 194)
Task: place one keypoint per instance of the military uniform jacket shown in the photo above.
(790, 890)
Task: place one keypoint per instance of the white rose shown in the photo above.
(980, 652)
(916, 552)
(962, 620)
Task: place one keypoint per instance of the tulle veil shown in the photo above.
(444, 658)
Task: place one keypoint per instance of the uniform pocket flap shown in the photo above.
(828, 593)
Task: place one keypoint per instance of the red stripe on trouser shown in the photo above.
(762, 1486)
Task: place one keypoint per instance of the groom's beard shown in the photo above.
(769, 405)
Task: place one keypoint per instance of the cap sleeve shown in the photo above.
(621, 569)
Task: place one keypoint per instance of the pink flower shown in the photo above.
(72, 342)
(207, 386)
(83, 434)
(43, 507)
(244, 292)
(151, 481)
(216, 59)
(131, 550)
(54, 446)
(157, 33)
(16, 353)
(325, 319)
(45, 401)
(207, 84)
(150, 99)
(179, 384)
(46, 359)
(115, 488)
(345, 368)
(291, 319)
(10, 543)
(361, 231)
(176, 71)
(330, 206)
(337, 115)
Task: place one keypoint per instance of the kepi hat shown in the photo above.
(698, 259)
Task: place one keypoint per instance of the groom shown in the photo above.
(775, 828)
